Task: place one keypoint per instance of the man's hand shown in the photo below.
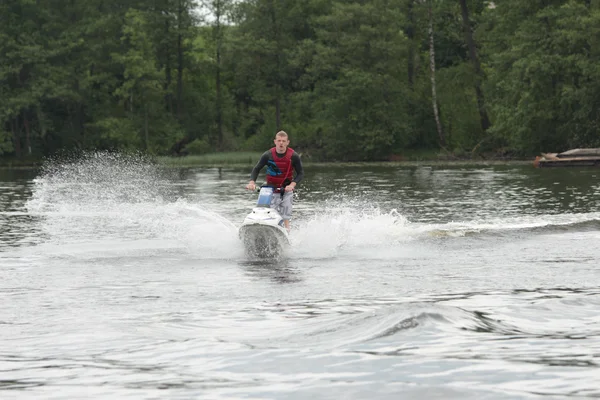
(251, 185)
(290, 187)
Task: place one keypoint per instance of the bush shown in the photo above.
(198, 146)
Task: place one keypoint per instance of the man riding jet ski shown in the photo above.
(265, 229)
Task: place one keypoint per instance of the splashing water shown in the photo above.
(98, 180)
(341, 229)
(138, 286)
(113, 197)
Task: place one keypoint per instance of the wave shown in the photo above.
(543, 224)
(371, 325)
(112, 197)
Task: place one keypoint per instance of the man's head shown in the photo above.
(281, 142)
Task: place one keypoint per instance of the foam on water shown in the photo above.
(365, 230)
(115, 202)
(342, 229)
(499, 225)
(107, 198)
(102, 200)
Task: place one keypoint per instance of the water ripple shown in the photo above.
(121, 280)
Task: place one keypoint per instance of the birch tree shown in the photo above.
(434, 102)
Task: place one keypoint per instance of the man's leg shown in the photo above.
(284, 207)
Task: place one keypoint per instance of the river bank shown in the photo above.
(231, 159)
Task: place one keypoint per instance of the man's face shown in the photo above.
(281, 144)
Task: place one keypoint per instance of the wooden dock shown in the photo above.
(571, 158)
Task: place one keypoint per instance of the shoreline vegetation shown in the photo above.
(250, 159)
(233, 159)
(420, 82)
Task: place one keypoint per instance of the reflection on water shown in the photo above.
(119, 280)
(17, 227)
(279, 271)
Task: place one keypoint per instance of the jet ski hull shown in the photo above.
(263, 232)
(263, 241)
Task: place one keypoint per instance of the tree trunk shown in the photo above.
(146, 135)
(14, 127)
(81, 122)
(277, 112)
(433, 88)
(410, 34)
(27, 133)
(277, 77)
(179, 59)
(483, 117)
(168, 76)
(219, 105)
(79, 126)
(42, 126)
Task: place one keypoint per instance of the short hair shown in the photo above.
(282, 134)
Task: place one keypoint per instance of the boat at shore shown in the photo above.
(571, 158)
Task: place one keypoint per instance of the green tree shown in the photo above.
(23, 73)
(474, 56)
(360, 85)
(142, 88)
(544, 76)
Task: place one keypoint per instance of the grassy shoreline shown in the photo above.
(249, 159)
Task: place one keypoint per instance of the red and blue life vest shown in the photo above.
(279, 169)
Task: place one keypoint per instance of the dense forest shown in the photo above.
(347, 79)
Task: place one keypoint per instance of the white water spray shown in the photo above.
(108, 198)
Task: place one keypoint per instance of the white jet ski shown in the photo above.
(263, 232)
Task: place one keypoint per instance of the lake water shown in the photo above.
(122, 280)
